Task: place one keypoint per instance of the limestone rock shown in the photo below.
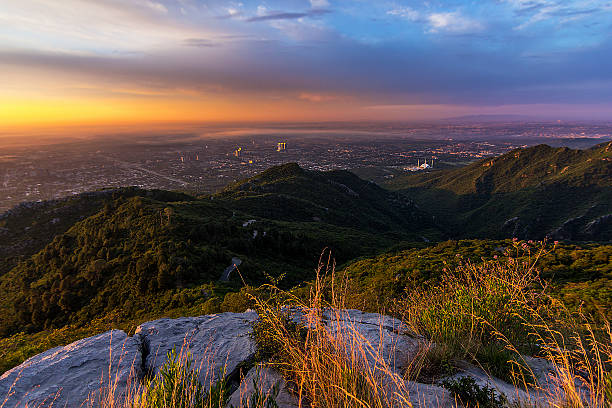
(77, 375)
(270, 385)
(74, 375)
(216, 343)
(427, 396)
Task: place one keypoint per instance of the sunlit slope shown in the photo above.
(531, 193)
(579, 274)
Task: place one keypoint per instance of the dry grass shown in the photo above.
(580, 355)
(178, 384)
(494, 312)
(328, 362)
(490, 313)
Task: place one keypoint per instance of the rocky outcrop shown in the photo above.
(217, 343)
(271, 386)
(81, 373)
(599, 226)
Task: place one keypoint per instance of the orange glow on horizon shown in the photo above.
(35, 112)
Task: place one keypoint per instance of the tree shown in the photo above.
(169, 212)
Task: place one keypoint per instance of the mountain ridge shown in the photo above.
(526, 193)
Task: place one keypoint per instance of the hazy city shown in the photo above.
(200, 164)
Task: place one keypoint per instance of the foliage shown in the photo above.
(473, 395)
(473, 306)
(177, 385)
(336, 197)
(141, 253)
(527, 193)
(27, 228)
(580, 275)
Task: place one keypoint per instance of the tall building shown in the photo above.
(281, 146)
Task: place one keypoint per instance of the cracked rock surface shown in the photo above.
(74, 374)
(216, 343)
(78, 375)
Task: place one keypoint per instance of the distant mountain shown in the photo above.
(489, 119)
(338, 197)
(528, 193)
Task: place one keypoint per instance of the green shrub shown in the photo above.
(269, 343)
(178, 386)
(475, 310)
(471, 394)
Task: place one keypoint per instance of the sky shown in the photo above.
(141, 61)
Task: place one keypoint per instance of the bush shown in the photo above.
(471, 394)
(475, 310)
(178, 386)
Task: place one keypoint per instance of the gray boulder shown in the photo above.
(75, 375)
(270, 384)
(217, 344)
(80, 374)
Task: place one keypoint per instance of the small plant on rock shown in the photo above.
(470, 394)
(178, 386)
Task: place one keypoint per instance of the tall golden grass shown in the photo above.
(328, 361)
(492, 312)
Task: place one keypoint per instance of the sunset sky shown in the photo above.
(111, 61)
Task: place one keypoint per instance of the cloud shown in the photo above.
(319, 4)
(199, 42)
(100, 26)
(282, 15)
(121, 45)
(406, 13)
(453, 22)
(318, 98)
(231, 12)
(532, 12)
(159, 7)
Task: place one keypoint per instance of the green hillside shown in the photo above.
(527, 193)
(116, 258)
(137, 251)
(27, 228)
(581, 275)
(338, 197)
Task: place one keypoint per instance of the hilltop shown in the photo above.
(335, 197)
(527, 193)
(28, 227)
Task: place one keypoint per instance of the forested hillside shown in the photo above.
(149, 251)
(528, 193)
(27, 228)
(336, 197)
